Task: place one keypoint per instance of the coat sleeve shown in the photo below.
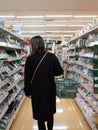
(58, 70)
(27, 78)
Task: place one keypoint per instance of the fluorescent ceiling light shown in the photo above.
(81, 20)
(55, 25)
(30, 16)
(64, 25)
(32, 31)
(67, 35)
(61, 31)
(26, 21)
(18, 25)
(34, 25)
(84, 16)
(75, 25)
(56, 35)
(7, 16)
(58, 16)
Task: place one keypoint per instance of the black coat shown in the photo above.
(43, 88)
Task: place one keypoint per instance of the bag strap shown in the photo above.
(38, 66)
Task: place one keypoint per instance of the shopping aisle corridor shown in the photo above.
(68, 117)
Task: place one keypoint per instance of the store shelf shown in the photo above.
(9, 125)
(86, 55)
(14, 58)
(3, 30)
(86, 34)
(84, 65)
(15, 114)
(14, 84)
(8, 53)
(84, 75)
(2, 69)
(14, 71)
(89, 90)
(3, 112)
(91, 104)
(4, 82)
(71, 48)
(3, 56)
(12, 98)
(84, 86)
(4, 96)
(7, 45)
(72, 55)
(90, 122)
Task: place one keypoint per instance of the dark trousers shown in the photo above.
(50, 121)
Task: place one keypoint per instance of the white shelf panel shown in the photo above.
(3, 112)
(3, 56)
(4, 82)
(15, 114)
(14, 84)
(84, 65)
(15, 70)
(91, 104)
(4, 96)
(7, 45)
(10, 123)
(10, 101)
(14, 58)
(84, 86)
(84, 75)
(89, 90)
(86, 55)
(71, 48)
(2, 69)
(90, 122)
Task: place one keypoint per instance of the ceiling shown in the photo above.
(54, 27)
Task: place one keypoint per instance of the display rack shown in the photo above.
(83, 67)
(11, 77)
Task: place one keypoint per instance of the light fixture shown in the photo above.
(32, 31)
(7, 16)
(64, 25)
(20, 25)
(55, 25)
(34, 25)
(58, 16)
(75, 25)
(68, 35)
(26, 21)
(58, 31)
(84, 16)
(39, 16)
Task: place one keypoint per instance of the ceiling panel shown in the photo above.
(48, 7)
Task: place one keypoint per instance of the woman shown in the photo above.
(42, 89)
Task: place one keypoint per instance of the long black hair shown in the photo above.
(37, 44)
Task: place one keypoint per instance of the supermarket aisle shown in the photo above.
(68, 117)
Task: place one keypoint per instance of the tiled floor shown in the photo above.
(68, 117)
